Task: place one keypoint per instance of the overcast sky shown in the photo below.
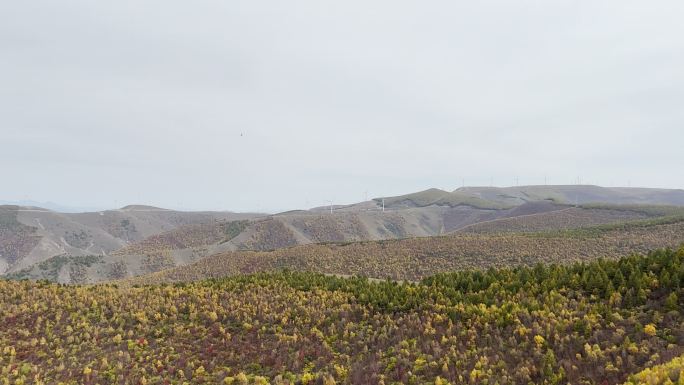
(273, 105)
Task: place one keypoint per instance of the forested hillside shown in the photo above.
(589, 323)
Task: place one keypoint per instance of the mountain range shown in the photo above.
(38, 243)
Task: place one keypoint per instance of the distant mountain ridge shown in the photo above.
(31, 235)
(580, 194)
(139, 239)
(506, 197)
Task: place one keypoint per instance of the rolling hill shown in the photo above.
(31, 235)
(190, 243)
(137, 240)
(415, 258)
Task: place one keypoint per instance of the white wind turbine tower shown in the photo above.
(331, 206)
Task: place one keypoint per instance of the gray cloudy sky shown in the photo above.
(272, 105)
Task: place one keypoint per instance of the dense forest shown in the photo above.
(601, 322)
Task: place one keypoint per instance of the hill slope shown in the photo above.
(31, 235)
(141, 239)
(415, 258)
(188, 244)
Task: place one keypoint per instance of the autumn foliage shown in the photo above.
(584, 323)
